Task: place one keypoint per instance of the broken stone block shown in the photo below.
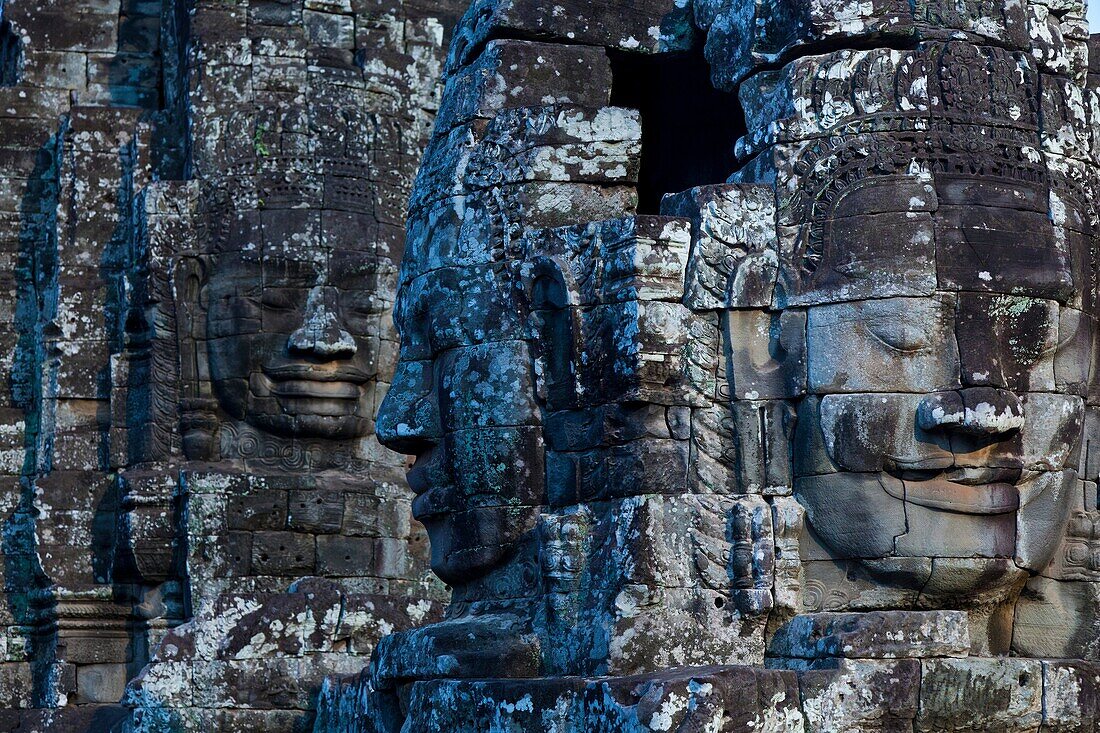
(733, 261)
(657, 25)
(862, 695)
(513, 73)
(739, 697)
(1071, 696)
(765, 353)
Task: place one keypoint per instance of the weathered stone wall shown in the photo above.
(173, 175)
(749, 361)
(747, 356)
(81, 88)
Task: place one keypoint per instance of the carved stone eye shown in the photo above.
(360, 303)
(278, 299)
(900, 335)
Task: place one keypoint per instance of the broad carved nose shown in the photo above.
(977, 411)
(408, 420)
(321, 334)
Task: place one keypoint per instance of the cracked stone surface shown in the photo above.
(815, 405)
(667, 365)
(202, 213)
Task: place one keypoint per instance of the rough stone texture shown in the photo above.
(868, 696)
(201, 216)
(828, 414)
(745, 352)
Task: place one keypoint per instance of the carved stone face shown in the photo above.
(293, 342)
(463, 403)
(943, 424)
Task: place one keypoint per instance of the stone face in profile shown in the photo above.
(463, 403)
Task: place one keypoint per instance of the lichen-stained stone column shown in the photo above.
(196, 196)
(78, 92)
(934, 229)
(551, 373)
(274, 268)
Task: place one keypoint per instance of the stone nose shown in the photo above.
(977, 411)
(408, 419)
(321, 334)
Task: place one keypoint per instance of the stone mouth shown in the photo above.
(419, 476)
(316, 373)
(963, 491)
(425, 507)
(310, 388)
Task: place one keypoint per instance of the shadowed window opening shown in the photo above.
(689, 128)
(11, 54)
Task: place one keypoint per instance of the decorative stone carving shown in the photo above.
(830, 416)
(747, 368)
(201, 216)
(278, 305)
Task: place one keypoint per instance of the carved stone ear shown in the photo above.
(553, 325)
(198, 408)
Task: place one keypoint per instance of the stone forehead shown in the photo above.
(745, 37)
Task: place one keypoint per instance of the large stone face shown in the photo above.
(830, 414)
(743, 355)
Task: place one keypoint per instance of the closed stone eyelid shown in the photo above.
(364, 307)
(923, 346)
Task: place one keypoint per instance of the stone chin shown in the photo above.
(303, 423)
(453, 559)
(981, 537)
(466, 542)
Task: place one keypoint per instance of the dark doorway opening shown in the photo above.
(11, 54)
(689, 128)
